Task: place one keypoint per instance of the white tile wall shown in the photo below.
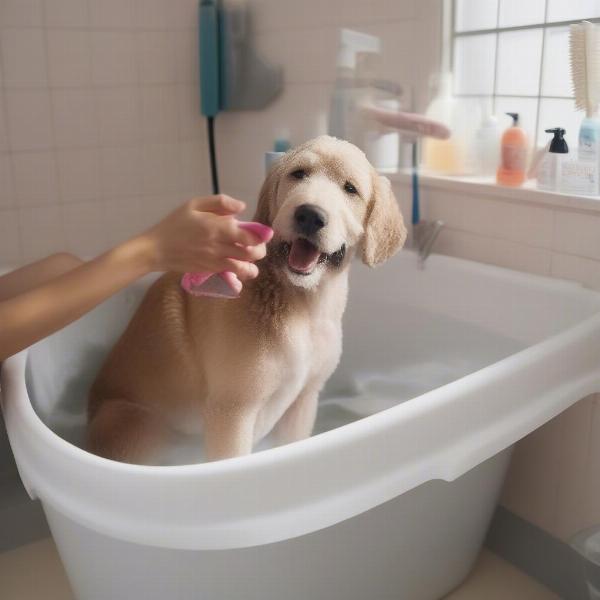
(85, 228)
(528, 237)
(577, 233)
(3, 130)
(113, 57)
(156, 56)
(161, 164)
(112, 14)
(531, 489)
(100, 126)
(36, 178)
(492, 250)
(79, 174)
(21, 13)
(121, 215)
(29, 119)
(42, 231)
(10, 241)
(517, 222)
(69, 58)
(120, 171)
(24, 58)
(7, 188)
(573, 469)
(159, 112)
(118, 113)
(75, 121)
(66, 13)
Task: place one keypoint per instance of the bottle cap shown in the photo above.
(558, 145)
(515, 118)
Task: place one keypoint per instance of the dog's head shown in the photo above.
(324, 200)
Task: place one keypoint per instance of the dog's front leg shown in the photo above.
(228, 433)
(299, 419)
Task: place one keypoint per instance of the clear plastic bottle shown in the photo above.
(487, 146)
(444, 156)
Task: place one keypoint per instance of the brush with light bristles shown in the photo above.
(585, 72)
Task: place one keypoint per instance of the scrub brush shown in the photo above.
(584, 44)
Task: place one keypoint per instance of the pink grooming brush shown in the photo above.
(225, 284)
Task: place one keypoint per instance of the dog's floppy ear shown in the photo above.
(385, 232)
(267, 194)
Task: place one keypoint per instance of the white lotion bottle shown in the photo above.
(487, 146)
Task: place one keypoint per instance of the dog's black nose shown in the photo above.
(309, 219)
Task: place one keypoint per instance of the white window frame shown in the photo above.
(454, 35)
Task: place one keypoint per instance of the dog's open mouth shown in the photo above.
(303, 256)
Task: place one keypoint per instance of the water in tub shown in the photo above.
(418, 352)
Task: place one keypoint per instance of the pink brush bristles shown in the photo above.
(225, 284)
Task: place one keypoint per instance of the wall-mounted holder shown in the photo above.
(232, 75)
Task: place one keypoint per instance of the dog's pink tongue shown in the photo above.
(303, 255)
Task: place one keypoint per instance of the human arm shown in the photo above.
(201, 236)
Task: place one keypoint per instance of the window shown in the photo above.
(513, 55)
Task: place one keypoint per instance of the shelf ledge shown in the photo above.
(487, 186)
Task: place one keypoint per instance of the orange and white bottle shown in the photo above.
(514, 145)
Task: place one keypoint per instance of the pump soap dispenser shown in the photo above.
(513, 155)
(548, 174)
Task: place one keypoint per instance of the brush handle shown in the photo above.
(228, 285)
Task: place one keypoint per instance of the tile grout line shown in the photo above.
(54, 146)
(11, 166)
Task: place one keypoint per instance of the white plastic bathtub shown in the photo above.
(449, 367)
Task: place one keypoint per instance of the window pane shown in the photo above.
(474, 58)
(527, 109)
(556, 80)
(567, 10)
(521, 12)
(476, 14)
(559, 113)
(519, 59)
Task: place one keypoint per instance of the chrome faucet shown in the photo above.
(424, 235)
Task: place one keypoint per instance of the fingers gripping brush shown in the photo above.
(225, 284)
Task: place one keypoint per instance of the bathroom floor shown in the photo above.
(34, 571)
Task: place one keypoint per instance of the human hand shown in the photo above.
(203, 235)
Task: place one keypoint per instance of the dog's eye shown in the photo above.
(299, 174)
(349, 188)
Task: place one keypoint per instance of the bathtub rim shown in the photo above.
(244, 532)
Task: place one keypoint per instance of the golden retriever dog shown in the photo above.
(235, 370)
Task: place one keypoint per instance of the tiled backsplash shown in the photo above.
(100, 127)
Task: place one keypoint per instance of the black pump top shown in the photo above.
(515, 118)
(558, 145)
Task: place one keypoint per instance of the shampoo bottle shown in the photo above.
(487, 146)
(444, 156)
(513, 155)
(550, 167)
